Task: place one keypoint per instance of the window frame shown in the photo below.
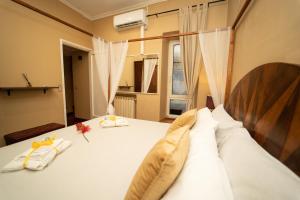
(171, 96)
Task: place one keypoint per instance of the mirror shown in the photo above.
(140, 74)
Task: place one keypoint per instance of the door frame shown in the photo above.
(63, 42)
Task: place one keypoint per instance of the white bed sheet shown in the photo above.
(100, 170)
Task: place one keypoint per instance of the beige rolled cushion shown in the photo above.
(186, 119)
(160, 167)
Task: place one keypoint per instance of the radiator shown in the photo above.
(125, 106)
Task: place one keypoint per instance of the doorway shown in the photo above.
(76, 77)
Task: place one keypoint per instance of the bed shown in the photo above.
(100, 169)
(104, 167)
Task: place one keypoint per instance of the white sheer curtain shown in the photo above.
(191, 20)
(118, 52)
(149, 66)
(101, 70)
(215, 50)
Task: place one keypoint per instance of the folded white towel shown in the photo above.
(113, 121)
(37, 159)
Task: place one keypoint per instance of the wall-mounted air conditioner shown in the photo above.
(130, 20)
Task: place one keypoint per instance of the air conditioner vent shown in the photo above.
(130, 20)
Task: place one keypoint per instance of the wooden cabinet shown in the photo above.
(30, 133)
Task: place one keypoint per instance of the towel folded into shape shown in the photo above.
(113, 121)
(37, 158)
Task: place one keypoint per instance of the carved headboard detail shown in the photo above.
(267, 101)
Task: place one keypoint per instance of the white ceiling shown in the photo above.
(96, 9)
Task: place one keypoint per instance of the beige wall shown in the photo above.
(30, 43)
(217, 17)
(164, 76)
(233, 9)
(60, 10)
(269, 32)
(147, 107)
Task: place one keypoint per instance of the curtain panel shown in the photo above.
(215, 51)
(109, 64)
(149, 66)
(101, 73)
(191, 20)
(118, 52)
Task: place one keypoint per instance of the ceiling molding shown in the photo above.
(112, 12)
(127, 9)
(84, 14)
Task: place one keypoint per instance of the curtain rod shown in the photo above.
(175, 10)
(162, 37)
(22, 3)
(174, 35)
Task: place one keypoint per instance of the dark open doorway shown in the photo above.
(76, 79)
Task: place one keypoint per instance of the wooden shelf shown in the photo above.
(125, 87)
(44, 89)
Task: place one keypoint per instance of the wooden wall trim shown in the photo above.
(26, 5)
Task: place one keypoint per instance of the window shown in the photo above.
(177, 94)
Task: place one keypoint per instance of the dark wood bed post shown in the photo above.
(229, 67)
(108, 90)
(231, 50)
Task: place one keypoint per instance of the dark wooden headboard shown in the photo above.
(267, 101)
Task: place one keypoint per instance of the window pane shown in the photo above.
(177, 107)
(178, 83)
(176, 53)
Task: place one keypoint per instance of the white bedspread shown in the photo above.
(100, 170)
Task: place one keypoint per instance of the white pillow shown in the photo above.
(253, 172)
(203, 175)
(225, 120)
(204, 116)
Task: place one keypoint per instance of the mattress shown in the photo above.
(100, 169)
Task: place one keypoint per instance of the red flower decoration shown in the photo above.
(79, 126)
(83, 128)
